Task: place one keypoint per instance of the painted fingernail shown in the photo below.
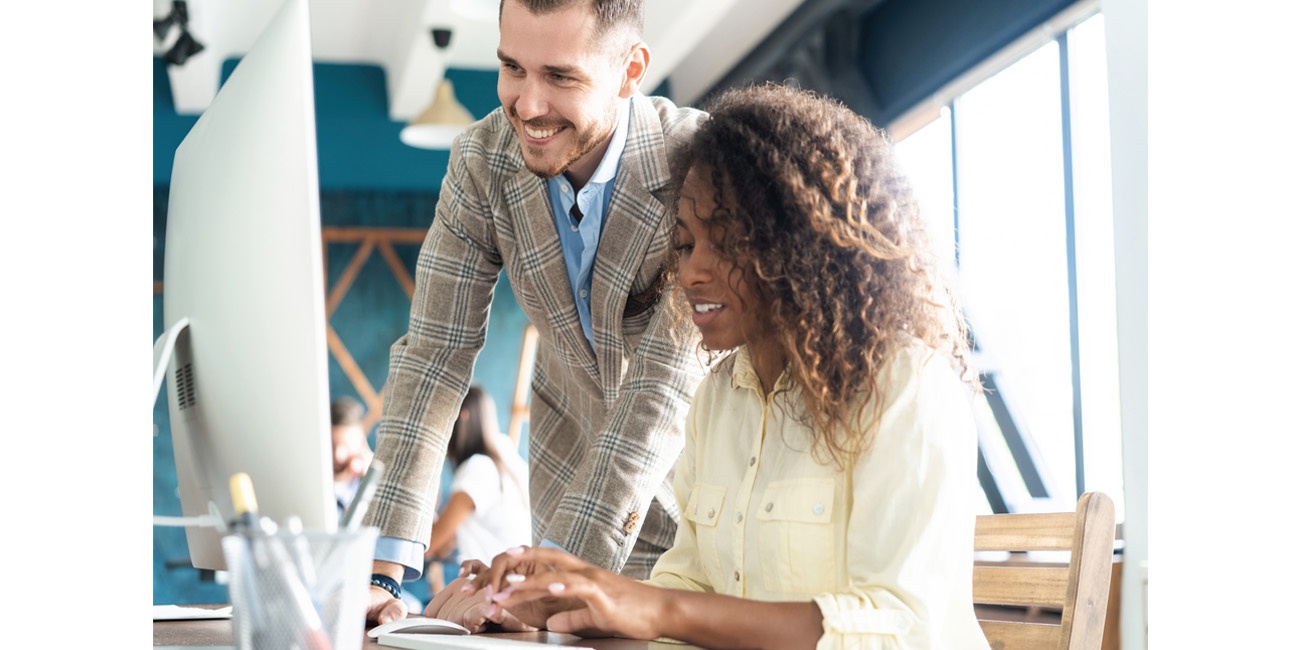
(505, 593)
(515, 550)
(515, 578)
(471, 576)
(555, 587)
(466, 588)
(492, 610)
(489, 592)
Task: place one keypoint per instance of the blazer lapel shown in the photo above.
(540, 260)
(635, 216)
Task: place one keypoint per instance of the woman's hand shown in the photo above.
(472, 611)
(475, 583)
(577, 597)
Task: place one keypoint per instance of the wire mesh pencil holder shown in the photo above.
(307, 590)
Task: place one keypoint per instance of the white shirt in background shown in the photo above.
(501, 517)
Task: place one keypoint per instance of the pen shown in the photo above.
(361, 502)
(301, 552)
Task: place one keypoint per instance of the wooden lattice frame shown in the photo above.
(383, 240)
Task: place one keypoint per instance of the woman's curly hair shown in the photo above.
(827, 234)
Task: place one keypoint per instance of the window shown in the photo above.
(1014, 178)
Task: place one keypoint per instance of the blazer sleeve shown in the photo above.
(431, 365)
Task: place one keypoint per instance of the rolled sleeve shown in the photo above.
(853, 621)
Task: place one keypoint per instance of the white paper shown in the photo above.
(182, 613)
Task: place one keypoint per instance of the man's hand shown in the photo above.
(352, 452)
(383, 608)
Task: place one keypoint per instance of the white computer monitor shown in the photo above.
(247, 382)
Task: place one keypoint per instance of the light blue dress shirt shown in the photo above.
(578, 240)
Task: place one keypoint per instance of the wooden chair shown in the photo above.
(1078, 590)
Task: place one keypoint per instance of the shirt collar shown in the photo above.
(609, 163)
(743, 374)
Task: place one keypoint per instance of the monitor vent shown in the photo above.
(185, 386)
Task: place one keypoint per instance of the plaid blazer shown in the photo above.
(605, 427)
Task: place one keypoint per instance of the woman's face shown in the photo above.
(723, 305)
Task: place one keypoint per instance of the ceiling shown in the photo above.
(692, 41)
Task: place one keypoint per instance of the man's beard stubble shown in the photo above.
(583, 147)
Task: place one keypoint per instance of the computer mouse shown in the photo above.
(417, 625)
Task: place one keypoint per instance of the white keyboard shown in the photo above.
(464, 642)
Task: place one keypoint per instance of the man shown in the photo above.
(351, 450)
(565, 187)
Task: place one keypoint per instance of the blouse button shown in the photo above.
(817, 509)
(768, 507)
(738, 517)
(736, 575)
(711, 512)
(752, 460)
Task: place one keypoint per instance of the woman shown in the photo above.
(487, 510)
(827, 486)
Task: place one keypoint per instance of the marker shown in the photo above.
(287, 596)
(245, 501)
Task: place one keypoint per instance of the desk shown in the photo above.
(218, 632)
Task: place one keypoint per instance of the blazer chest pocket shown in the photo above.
(640, 306)
(796, 536)
(704, 511)
(640, 302)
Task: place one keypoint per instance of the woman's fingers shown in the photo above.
(514, 561)
(553, 585)
(514, 567)
(553, 558)
(471, 569)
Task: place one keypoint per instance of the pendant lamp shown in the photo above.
(445, 117)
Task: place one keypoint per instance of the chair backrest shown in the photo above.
(1079, 590)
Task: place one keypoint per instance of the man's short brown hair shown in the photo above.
(612, 16)
(346, 410)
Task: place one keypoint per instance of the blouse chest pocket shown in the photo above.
(704, 510)
(796, 535)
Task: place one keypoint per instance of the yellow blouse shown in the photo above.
(885, 549)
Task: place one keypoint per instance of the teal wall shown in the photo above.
(357, 144)
(368, 178)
